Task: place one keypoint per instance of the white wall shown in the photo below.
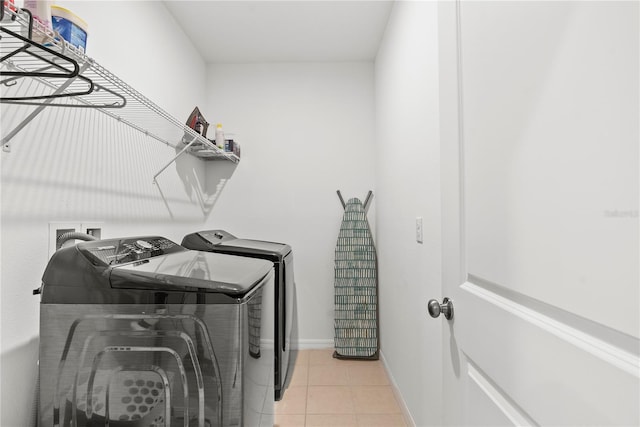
(408, 184)
(306, 130)
(73, 165)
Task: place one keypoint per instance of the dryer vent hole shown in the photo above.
(142, 396)
(137, 398)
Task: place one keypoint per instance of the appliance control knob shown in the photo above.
(144, 245)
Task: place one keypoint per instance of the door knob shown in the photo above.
(446, 308)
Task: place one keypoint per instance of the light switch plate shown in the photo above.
(419, 229)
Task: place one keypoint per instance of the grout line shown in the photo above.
(306, 401)
(306, 384)
(408, 421)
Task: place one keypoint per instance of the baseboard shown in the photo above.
(313, 344)
(396, 391)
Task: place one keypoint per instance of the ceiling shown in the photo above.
(283, 31)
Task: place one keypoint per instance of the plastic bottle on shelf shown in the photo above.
(41, 11)
(219, 137)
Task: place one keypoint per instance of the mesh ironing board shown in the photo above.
(355, 286)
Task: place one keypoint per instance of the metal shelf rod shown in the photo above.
(6, 145)
(174, 159)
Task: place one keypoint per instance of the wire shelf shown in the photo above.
(63, 76)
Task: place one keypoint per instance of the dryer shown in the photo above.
(142, 332)
(281, 255)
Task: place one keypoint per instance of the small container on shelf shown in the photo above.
(40, 11)
(71, 27)
(219, 137)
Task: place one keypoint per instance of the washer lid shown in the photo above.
(192, 271)
(258, 247)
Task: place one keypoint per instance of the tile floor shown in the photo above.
(330, 392)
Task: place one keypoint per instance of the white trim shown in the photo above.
(313, 344)
(461, 146)
(501, 402)
(396, 392)
(613, 355)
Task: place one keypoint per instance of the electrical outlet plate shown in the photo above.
(56, 229)
(419, 235)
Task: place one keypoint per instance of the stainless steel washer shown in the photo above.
(142, 332)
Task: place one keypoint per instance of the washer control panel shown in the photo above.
(121, 251)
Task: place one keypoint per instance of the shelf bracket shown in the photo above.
(195, 138)
(6, 145)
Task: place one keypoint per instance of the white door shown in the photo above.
(540, 141)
